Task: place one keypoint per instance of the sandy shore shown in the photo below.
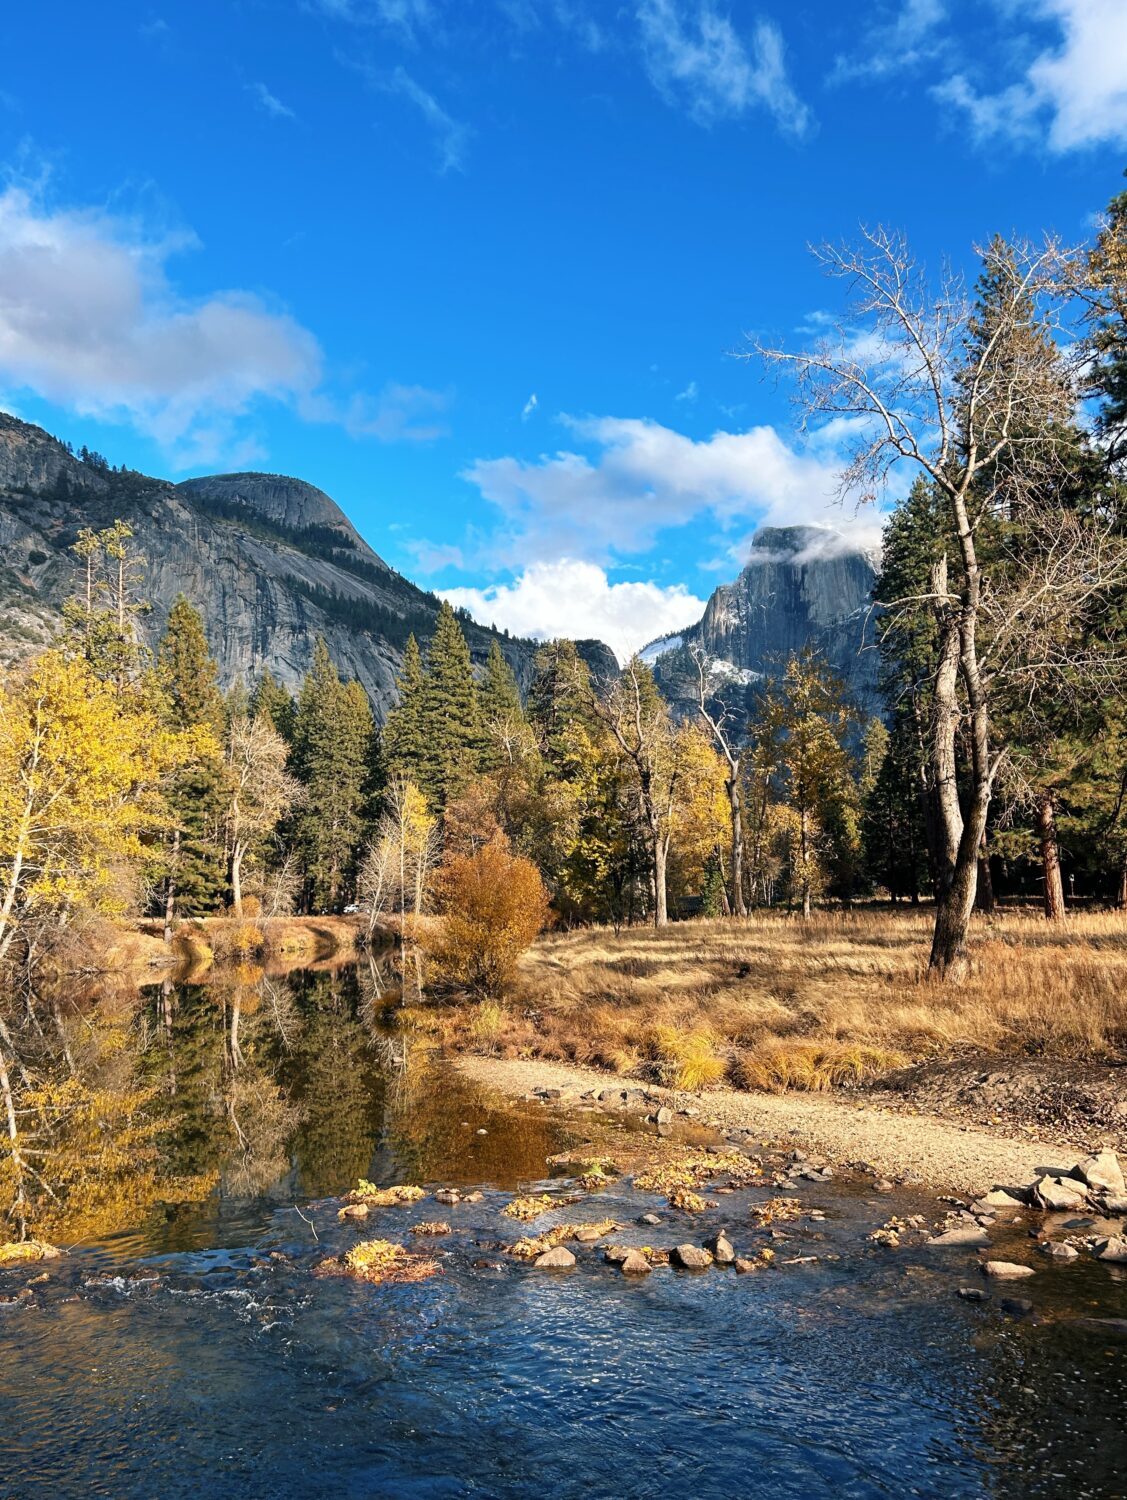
(839, 1129)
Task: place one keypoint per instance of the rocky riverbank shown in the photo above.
(847, 1130)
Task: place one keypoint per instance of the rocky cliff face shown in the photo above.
(802, 585)
(270, 563)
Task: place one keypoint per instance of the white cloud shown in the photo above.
(89, 320)
(694, 54)
(270, 103)
(451, 136)
(1078, 87)
(576, 599)
(406, 16)
(400, 413)
(895, 41)
(690, 393)
(641, 478)
(529, 407)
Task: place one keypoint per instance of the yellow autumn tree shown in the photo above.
(80, 769)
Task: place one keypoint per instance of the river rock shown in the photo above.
(721, 1248)
(1115, 1204)
(1060, 1194)
(664, 1115)
(1114, 1250)
(1017, 1307)
(616, 1254)
(998, 1198)
(972, 1294)
(1058, 1250)
(966, 1238)
(449, 1196)
(475, 1197)
(1006, 1270)
(635, 1264)
(558, 1259)
(588, 1234)
(1103, 1172)
(650, 1219)
(744, 1264)
(691, 1258)
(1117, 1327)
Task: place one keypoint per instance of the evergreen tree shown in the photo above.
(403, 737)
(271, 702)
(333, 731)
(499, 710)
(559, 704)
(187, 670)
(451, 724)
(192, 866)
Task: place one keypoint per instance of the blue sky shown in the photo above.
(478, 268)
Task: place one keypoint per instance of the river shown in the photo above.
(183, 1347)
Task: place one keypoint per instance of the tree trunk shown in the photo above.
(661, 910)
(945, 720)
(739, 906)
(1050, 860)
(954, 907)
(170, 888)
(984, 895)
(18, 1206)
(804, 855)
(237, 852)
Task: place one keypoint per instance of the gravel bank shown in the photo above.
(843, 1129)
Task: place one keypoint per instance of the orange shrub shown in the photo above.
(493, 904)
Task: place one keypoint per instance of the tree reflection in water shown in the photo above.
(233, 1084)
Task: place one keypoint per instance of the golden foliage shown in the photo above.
(380, 1262)
(813, 1066)
(431, 1226)
(685, 1059)
(526, 1209)
(494, 903)
(26, 1252)
(376, 1197)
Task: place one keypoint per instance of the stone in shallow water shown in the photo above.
(972, 1294)
(1057, 1194)
(449, 1196)
(998, 1198)
(691, 1258)
(721, 1248)
(1006, 1270)
(1017, 1307)
(558, 1259)
(961, 1236)
(635, 1264)
(1114, 1250)
(650, 1219)
(1058, 1250)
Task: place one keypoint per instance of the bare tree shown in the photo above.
(640, 724)
(723, 736)
(261, 791)
(975, 404)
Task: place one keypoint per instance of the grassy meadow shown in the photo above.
(772, 1002)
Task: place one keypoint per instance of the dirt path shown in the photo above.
(919, 1148)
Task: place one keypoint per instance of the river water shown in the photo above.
(185, 1349)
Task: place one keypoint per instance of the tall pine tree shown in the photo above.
(192, 867)
(451, 723)
(333, 757)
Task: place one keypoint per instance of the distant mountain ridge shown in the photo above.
(269, 561)
(801, 586)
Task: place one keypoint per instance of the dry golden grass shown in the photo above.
(771, 1002)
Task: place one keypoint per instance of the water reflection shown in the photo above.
(184, 1348)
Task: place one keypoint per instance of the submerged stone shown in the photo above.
(1006, 1270)
(691, 1258)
